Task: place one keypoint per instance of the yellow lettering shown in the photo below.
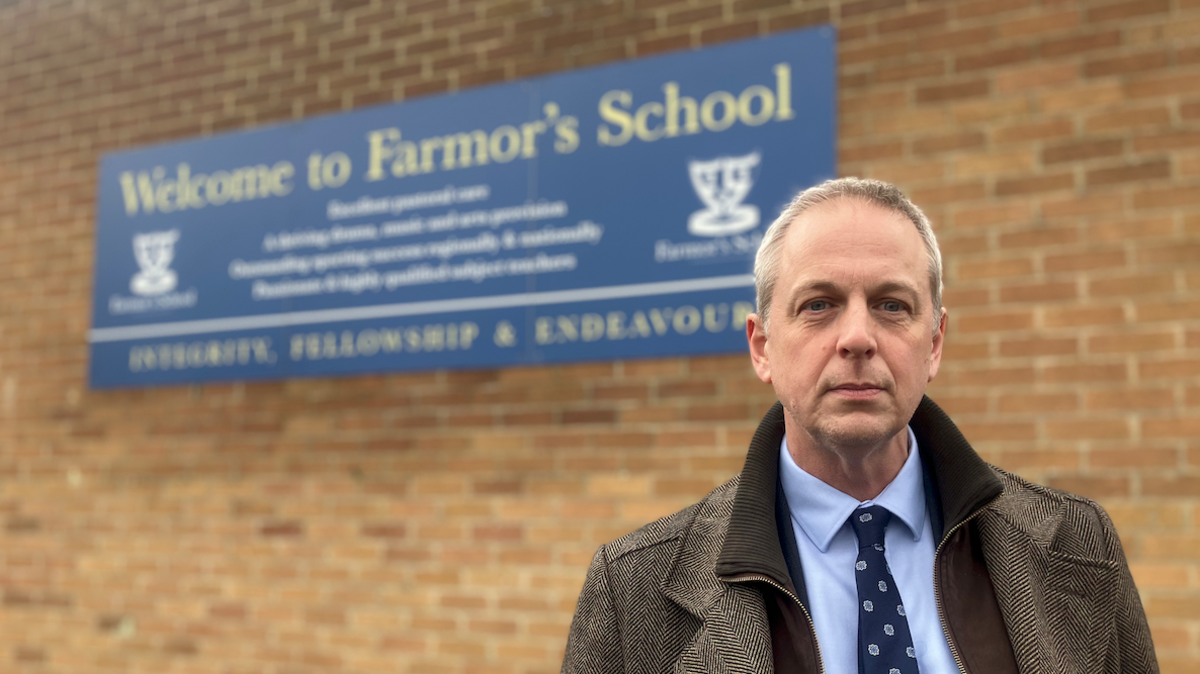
(464, 142)
(643, 131)
(529, 133)
(543, 330)
(129, 192)
(467, 332)
(390, 340)
(277, 182)
(567, 135)
(569, 327)
(766, 109)
(377, 152)
(614, 115)
(674, 104)
(783, 92)
(591, 327)
(497, 141)
(428, 147)
(708, 107)
(616, 324)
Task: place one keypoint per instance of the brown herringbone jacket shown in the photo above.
(1032, 579)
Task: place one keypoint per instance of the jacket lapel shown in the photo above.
(733, 637)
(734, 634)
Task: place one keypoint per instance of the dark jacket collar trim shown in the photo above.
(962, 484)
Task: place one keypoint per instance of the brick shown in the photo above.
(800, 19)
(1171, 310)
(1036, 76)
(1096, 487)
(1038, 403)
(1176, 368)
(1175, 485)
(1171, 140)
(989, 322)
(1155, 341)
(909, 71)
(862, 7)
(871, 151)
(1040, 24)
(1170, 254)
(991, 215)
(1134, 458)
(1060, 374)
(1171, 428)
(1038, 346)
(1034, 185)
(952, 92)
(1126, 64)
(976, 270)
(1127, 9)
(913, 22)
(1091, 429)
(1154, 116)
(1039, 292)
(992, 59)
(1166, 197)
(1082, 150)
(728, 32)
(1099, 94)
(988, 8)
(1092, 259)
(1149, 170)
(1170, 84)
(1041, 237)
(994, 163)
(1035, 131)
(1077, 44)
(1136, 284)
(977, 432)
(1074, 206)
(948, 142)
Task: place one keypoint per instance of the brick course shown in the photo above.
(442, 522)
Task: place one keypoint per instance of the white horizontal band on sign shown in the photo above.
(175, 329)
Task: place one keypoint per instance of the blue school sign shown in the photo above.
(605, 213)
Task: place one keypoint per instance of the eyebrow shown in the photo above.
(887, 287)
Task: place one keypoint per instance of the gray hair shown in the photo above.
(875, 192)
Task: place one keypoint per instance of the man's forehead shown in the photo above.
(852, 218)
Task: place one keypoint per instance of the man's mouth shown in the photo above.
(857, 391)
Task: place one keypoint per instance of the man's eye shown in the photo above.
(817, 305)
(892, 306)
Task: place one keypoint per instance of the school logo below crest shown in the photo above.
(154, 252)
(722, 184)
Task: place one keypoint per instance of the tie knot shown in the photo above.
(869, 525)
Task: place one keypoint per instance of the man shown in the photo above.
(863, 534)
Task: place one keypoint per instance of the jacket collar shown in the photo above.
(960, 484)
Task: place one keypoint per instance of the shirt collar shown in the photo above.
(821, 510)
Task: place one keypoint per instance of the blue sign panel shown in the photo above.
(605, 213)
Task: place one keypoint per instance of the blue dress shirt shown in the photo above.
(828, 550)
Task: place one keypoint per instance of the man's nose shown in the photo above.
(857, 332)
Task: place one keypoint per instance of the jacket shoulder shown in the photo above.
(1064, 522)
(673, 527)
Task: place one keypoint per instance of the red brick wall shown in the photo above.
(442, 522)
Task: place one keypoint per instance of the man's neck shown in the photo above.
(861, 472)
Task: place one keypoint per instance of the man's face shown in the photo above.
(851, 345)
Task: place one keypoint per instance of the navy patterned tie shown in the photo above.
(885, 645)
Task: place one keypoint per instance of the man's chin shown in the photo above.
(855, 428)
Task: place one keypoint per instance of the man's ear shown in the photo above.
(939, 339)
(756, 335)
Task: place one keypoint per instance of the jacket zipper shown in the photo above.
(811, 626)
(937, 583)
